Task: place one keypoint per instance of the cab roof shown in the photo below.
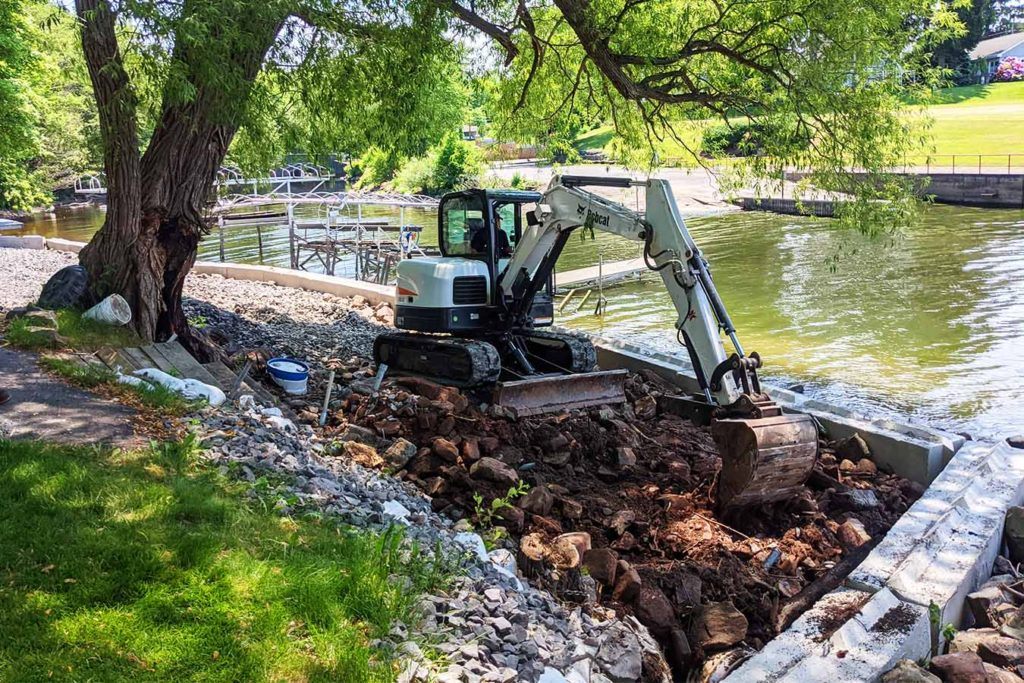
(509, 196)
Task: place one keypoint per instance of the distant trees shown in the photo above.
(977, 17)
(49, 131)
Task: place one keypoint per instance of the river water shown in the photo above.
(929, 324)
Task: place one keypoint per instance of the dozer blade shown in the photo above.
(764, 460)
(561, 392)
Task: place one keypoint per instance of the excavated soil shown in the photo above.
(620, 508)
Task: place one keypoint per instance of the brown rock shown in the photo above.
(625, 542)
(558, 442)
(362, 454)
(907, 671)
(1002, 651)
(852, 533)
(559, 459)
(853, 448)
(446, 425)
(533, 547)
(719, 625)
(687, 592)
(627, 586)
(494, 470)
(865, 466)
(997, 675)
(470, 450)
(513, 519)
(538, 501)
(654, 610)
(453, 396)
(961, 667)
(488, 444)
(625, 457)
(563, 553)
(580, 539)
(968, 641)
(571, 508)
(400, 453)
(620, 520)
(421, 387)
(602, 563)
(645, 407)
(445, 449)
(1014, 533)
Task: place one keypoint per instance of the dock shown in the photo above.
(610, 272)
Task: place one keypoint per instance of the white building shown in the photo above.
(987, 54)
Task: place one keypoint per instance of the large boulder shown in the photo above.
(67, 288)
(906, 671)
(961, 667)
(719, 625)
(494, 470)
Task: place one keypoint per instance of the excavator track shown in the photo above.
(446, 360)
(560, 351)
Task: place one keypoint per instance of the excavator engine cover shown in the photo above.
(764, 460)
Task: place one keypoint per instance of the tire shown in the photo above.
(66, 289)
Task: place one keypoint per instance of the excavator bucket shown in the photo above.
(561, 392)
(764, 460)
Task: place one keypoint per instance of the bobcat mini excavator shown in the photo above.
(472, 317)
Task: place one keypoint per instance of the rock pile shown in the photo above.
(618, 506)
(491, 625)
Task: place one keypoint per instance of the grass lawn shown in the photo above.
(139, 566)
(977, 119)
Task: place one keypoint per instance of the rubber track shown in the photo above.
(584, 355)
(481, 357)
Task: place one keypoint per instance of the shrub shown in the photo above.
(457, 164)
(749, 139)
(415, 175)
(1010, 69)
(374, 168)
(20, 189)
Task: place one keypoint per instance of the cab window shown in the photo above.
(506, 213)
(463, 230)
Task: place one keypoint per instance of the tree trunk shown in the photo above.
(154, 223)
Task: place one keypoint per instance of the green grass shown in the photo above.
(977, 119)
(155, 396)
(137, 566)
(78, 333)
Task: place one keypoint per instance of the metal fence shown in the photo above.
(967, 163)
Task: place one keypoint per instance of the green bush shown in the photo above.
(374, 168)
(415, 176)
(562, 151)
(750, 139)
(457, 164)
(20, 189)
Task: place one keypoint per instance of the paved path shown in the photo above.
(43, 407)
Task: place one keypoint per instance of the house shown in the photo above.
(987, 54)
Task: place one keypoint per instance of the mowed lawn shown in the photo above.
(980, 119)
(977, 119)
(141, 566)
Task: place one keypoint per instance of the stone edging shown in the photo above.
(940, 550)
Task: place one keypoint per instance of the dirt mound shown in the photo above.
(618, 508)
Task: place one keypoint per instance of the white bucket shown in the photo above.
(289, 374)
(113, 310)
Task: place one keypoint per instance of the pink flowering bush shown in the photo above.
(1010, 69)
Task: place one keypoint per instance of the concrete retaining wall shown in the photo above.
(939, 551)
(994, 190)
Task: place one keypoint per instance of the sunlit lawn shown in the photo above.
(138, 566)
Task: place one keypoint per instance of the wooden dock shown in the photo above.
(172, 358)
(610, 272)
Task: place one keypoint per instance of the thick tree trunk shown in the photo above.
(154, 223)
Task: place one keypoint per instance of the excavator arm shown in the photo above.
(766, 455)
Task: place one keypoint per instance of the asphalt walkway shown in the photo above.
(44, 407)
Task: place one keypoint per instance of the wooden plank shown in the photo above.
(137, 357)
(157, 359)
(113, 359)
(227, 377)
(184, 363)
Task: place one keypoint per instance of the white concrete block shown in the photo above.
(58, 244)
(22, 242)
(860, 649)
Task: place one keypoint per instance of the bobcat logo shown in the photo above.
(580, 210)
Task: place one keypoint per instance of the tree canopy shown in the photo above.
(175, 81)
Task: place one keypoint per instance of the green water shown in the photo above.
(929, 324)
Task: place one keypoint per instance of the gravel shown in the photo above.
(490, 625)
(24, 271)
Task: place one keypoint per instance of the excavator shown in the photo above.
(474, 317)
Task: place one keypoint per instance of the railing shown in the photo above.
(967, 163)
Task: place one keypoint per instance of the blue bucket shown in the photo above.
(291, 374)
